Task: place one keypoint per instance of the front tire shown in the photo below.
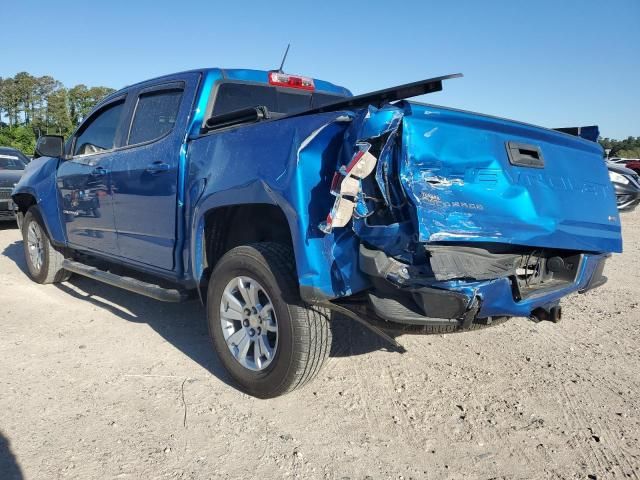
(44, 262)
(265, 336)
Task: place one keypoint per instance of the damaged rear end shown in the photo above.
(461, 218)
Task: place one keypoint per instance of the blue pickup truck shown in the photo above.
(281, 199)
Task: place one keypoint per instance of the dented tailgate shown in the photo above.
(476, 178)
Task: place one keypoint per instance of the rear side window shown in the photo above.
(155, 115)
(236, 96)
(98, 134)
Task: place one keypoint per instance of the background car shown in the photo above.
(626, 184)
(630, 163)
(12, 165)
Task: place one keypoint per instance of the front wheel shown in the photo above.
(265, 336)
(44, 262)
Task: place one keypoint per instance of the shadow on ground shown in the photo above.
(183, 324)
(9, 468)
(15, 252)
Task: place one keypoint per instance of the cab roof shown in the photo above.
(244, 75)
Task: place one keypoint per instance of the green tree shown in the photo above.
(627, 148)
(10, 100)
(32, 106)
(21, 137)
(82, 99)
(25, 85)
(58, 120)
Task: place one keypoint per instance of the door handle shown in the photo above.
(158, 167)
(99, 172)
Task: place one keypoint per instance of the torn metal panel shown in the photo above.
(377, 128)
(346, 187)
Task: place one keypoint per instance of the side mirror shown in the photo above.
(50, 146)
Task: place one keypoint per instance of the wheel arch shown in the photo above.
(223, 227)
(38, 187)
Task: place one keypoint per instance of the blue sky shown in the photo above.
(552, 63)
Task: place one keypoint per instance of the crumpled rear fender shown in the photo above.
(288, 163)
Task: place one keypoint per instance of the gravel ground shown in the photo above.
(99, 383)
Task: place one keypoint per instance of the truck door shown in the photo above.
(145, 177)
(84, 181)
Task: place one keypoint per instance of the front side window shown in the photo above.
(155, 115)
(99, 133)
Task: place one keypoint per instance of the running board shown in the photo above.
(126, 283)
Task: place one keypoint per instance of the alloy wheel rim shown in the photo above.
(249, 323)
(35, 245)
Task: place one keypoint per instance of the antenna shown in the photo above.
(284, 58)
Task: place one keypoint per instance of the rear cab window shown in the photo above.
(279, 101)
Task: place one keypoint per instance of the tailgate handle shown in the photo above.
(524, 155)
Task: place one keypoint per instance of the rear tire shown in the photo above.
(44, 262)
(296, 336)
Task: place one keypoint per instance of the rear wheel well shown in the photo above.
(229, 227)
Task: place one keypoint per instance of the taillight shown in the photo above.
(291, 81)
(345, 185)
(362, 163)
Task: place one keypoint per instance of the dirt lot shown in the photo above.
(99, 383)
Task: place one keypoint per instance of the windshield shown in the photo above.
(283, 101)
(10, 161)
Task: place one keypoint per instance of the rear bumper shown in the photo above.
(497, 297)
(463, 302)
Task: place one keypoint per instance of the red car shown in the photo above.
(633, 164)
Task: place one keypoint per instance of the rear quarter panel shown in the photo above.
(288, 163)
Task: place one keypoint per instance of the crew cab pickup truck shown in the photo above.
(281, 199)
